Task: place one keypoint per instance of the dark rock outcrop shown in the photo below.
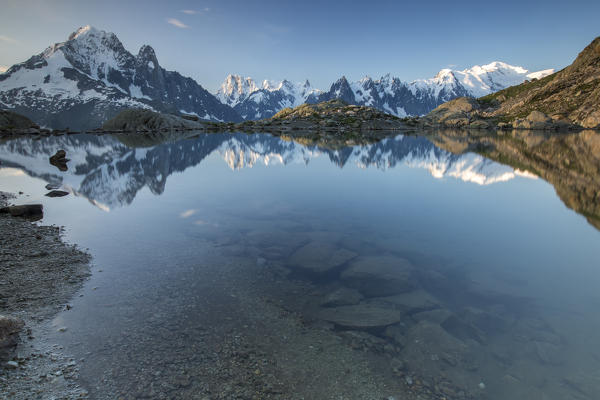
(146, 120)
(11, 121)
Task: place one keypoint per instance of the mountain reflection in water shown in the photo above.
(109, 171)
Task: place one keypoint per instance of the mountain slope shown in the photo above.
(388, 94)
(89, 78)
(572, 94)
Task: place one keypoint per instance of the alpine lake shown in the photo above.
(252, 266)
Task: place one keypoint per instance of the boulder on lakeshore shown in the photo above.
(9, 331)
(24, 210)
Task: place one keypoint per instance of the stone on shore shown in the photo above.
(59, 160)
(24, 210)
(9, 331)
(56, 193)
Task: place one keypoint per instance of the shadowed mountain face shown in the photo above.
(110, 171)
(570, 162)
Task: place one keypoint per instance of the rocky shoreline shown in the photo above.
(40, 274)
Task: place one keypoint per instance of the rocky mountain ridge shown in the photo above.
(388, 94)
(82, 82)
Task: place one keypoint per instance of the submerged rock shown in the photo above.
(342, 297)
(463, 330)
(434, 316)
(548, 353)
(413, 302)
(319, 258)
(377, 276)
(430, 350)
(361, 316)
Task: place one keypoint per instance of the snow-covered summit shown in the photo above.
(83, 31)
(478, 80)
(89, 78)
(235, 89)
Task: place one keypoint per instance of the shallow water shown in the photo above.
(215, 258)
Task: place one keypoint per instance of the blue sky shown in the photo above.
(318, 40)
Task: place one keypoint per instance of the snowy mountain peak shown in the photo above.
(235, 89)
(82, 31)
(443, 73)
(89, 78)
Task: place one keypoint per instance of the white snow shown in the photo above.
(540, 74)
(136, 92)
(478, 80)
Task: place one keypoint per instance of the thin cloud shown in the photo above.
(177, 23)
(7, 39)
(194, 12)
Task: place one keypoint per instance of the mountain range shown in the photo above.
(91, 77)
(109, 172)
(388, 94)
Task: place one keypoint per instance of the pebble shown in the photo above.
(481, 385)
(12, 364)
